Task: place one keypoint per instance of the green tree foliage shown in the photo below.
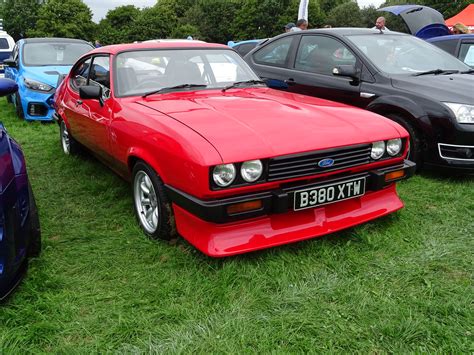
(117, 26)
(154, 22)
(19, 16)
(345, 15)
(64, 18)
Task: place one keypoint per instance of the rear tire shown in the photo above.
(68, 144)
(152, 208)
(9, 99)
(415, 153)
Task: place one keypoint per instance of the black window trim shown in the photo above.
(85, 59)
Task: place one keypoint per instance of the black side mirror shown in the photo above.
(91, 92)
(10, 62)
(349, 71)
(7, 87)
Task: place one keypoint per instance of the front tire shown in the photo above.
(68, 144)
(19, 108)
(151, 204)
(415, 153)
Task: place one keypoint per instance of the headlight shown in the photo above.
(378, 150)
(251, 170)
(224, 174)
(394, 146)
(36, 85)
(463, 113)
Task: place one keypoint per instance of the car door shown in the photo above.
(312, 70)
(74, 111)
(99, 112)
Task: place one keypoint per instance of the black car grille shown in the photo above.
(292, 166)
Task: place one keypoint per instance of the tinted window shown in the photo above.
(50, 53)
(276, 53)
(100, 74)
(243, 49)
(448, 46)
(80, 74)
(320, 54)
(3, 43)
(466, 53)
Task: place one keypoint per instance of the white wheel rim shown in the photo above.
(146, 202)
(65, 139)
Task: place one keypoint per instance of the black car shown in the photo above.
(399, 76)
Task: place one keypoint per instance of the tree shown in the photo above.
(64, 18)
(154, 23)
(345, 15)
(19, 17)
(117, 25)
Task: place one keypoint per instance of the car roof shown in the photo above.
(53, 40)
(345, 31)
(451, 37)
(117, 48)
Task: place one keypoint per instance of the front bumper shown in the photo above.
(208, 226)
(37, 106)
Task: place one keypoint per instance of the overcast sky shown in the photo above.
(100, 7)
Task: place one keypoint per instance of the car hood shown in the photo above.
(261, 123)
(447, 88)
(46, 74)
(422, 21)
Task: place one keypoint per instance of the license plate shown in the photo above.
(322, 195)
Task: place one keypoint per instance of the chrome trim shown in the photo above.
(454, 145)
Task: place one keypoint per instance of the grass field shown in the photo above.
(400, 284)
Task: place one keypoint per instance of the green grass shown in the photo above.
(399, 284)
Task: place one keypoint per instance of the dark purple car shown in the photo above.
(20, 236)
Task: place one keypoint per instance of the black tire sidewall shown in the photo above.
(164, 229)
(415, 154)
(19, 107)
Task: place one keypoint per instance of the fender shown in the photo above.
(380, 104)
(136, 153)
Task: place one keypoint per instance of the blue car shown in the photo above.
(461, 46)
(37, 65)
(20, 236)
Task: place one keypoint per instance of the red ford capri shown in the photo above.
(219, 158)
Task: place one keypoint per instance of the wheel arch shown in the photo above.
(136, 154)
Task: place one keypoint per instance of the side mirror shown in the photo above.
(349, 71)
(91, 92)
(7, 87)
(10, 62)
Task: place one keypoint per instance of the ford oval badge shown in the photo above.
(326, 163)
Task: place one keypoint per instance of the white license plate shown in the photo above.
(322, 195)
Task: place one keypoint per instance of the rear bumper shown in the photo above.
(207, 226)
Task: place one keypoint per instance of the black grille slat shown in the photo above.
(307, 164)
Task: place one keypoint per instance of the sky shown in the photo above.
(100, 7)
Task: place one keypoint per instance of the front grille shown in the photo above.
(292, 166)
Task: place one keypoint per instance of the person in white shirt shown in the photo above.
(380, 24)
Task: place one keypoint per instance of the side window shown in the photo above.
(275, 53)
(466, 53)
(320, 54)
(100, 74)
(80, 74)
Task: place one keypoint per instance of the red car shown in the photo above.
(216, 156)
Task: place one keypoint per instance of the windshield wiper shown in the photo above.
(469, 71)
(436, 72)
(246, 82)
(181, 86)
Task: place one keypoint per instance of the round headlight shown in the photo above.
(251, 170)
(394, 146)
(224, 174)
(378, 149)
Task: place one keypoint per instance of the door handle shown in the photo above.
(78, 102)
(290, 81)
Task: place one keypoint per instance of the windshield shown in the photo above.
(396, 54)
(50, 53)
(144, 71)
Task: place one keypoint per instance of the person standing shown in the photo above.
(301, 25)
(380, 24)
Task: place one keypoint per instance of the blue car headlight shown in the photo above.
(37, 85)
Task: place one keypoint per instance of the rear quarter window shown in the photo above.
(4, 43)
(448, 46)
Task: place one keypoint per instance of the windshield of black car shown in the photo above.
(53, 53)
(404, 54)
(144, 71)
